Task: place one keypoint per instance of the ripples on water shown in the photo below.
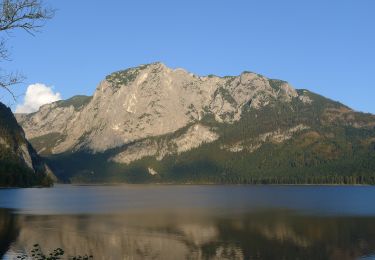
(191, 222)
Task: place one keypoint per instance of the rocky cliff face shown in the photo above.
(150, 100)
(150, 116)
(20, 165)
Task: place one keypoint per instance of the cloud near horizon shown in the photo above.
(37, 94)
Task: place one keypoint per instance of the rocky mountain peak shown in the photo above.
(150, 100)
(157, 123)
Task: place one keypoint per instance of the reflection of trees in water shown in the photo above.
(278, 235)
(192, 235)
(275, 235)
(8, 230)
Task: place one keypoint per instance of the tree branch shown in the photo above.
(23, 14)
(27, 15)
(8, 80)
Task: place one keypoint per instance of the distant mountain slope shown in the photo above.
(20, 165)
(156, 124)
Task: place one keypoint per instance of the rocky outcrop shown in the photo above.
(277, 137)
(194, 136)
(20, 165)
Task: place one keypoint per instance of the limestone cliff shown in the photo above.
(146, 101)
(154, 123)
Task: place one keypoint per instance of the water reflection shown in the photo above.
(8, 231)
(192, 234)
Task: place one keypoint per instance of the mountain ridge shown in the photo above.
(114, 80)
(147, 122)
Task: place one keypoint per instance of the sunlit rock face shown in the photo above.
(147, 101)
(202, 129)
(195, 136)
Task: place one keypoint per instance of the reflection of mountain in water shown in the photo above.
(196, 235)
(8, 230)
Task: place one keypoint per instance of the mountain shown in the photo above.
(20, 165)
(156, 124)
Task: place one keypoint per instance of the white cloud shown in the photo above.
(37, 95)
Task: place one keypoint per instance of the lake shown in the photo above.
(191, 222)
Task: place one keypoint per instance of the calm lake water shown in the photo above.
(191, 222)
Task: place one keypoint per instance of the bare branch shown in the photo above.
(27, 15)
(4, 55)
(9, 80)
(24, 14)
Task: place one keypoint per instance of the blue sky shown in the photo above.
(324, 46)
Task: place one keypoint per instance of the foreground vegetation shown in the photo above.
(37, 254)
